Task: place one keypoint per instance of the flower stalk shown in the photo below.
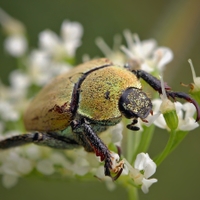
(168, 148)
(132, 193)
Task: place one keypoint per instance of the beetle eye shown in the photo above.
(134, 103)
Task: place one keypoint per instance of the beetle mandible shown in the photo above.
(75, 107)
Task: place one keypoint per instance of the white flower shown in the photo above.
(146, 53)
(71, 30)
(71, 33)
(16, 45)
(145, 163)
(42, 68)
(51, 58)
(49, 41)
(9, 181)
(114, 54)
(113, 135)
(144, 168)
(196, 85)
(64, 46)
(80, 166)
(39, 58)
(116, 134)
(8, 112)
(185, 113)
(138, 49)
(162, 56)
(45, 166)
(186, 117)
(59, 159)
(19, 80)
(13, 166)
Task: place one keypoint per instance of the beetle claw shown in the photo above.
(112, 165)
(117, 175)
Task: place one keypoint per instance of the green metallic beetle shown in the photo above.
(76, 106)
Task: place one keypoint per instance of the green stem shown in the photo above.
(167, 148)
(180, 135)
(133, 139)
(145, 141)
(133, 193)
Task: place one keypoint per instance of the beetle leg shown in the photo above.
(99, 148)
(132, 125)
(17, 140)
(44, 139)
(156, 85)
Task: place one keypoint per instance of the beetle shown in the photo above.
(76, 106)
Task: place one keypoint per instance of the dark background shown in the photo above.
(175, 24)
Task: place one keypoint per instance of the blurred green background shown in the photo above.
(175, 24)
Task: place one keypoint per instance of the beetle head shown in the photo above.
(134, 104)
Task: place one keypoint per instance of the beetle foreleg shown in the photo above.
(151, 80)
(156, 85)
(101, 150)
(98, 147)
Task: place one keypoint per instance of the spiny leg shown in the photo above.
(97, 145)
(43, 139)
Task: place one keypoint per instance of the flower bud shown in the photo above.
(10, 25)
(168, 110)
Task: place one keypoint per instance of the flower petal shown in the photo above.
(9, 180)
(116, 134)
(144, 162)
(71, 30)
(45, 167)
(195, 78)
(163, 56)
(188, 125)
(140, 160)
(16, 45)
(147, 183)
(48, 40)
(150, 168)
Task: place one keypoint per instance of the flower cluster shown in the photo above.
(55, 55)
(144, 54)
(37, 67)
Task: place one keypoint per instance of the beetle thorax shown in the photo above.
(101, 90)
